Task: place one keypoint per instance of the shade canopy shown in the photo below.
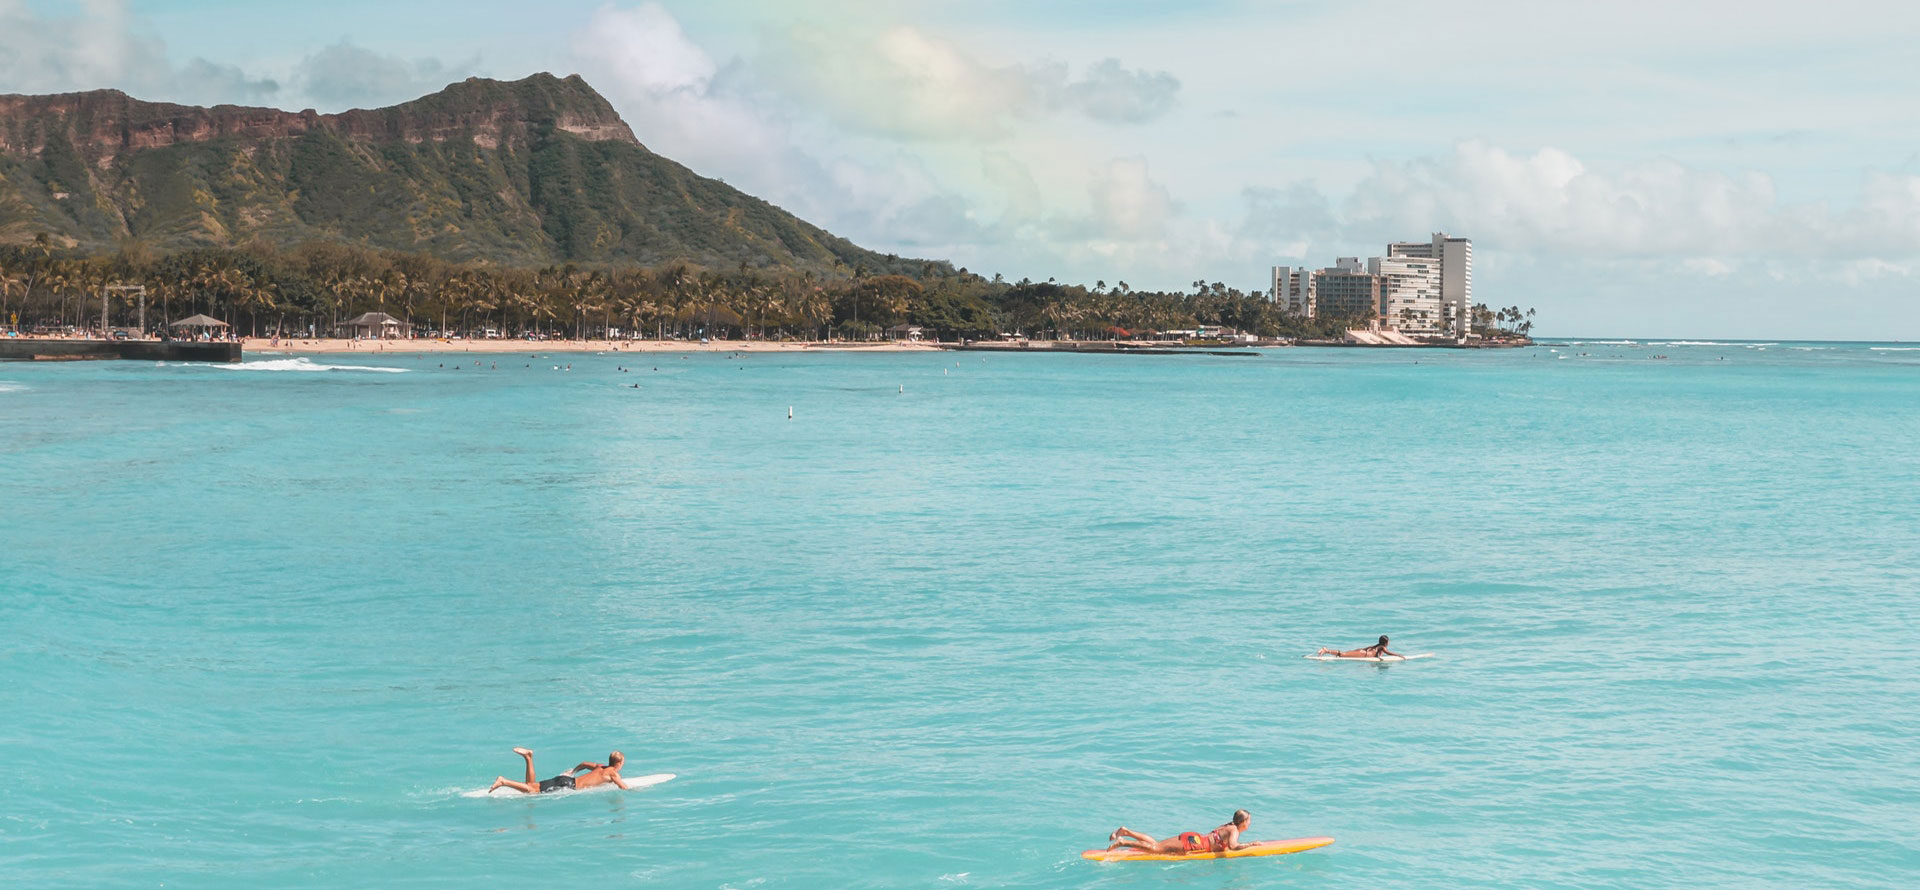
(199, 321)
(375, 320)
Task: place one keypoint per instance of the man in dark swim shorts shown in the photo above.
(591, 774)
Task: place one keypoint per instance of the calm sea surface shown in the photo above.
(260, 626)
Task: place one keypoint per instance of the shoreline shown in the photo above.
(259, 346)
(262, 346)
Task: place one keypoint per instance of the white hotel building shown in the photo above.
(1409, 294)
(1456, 275)
(1293, 289)
(1424, 288)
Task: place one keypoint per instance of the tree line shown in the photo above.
(312, 288)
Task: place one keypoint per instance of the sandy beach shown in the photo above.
(266, 346)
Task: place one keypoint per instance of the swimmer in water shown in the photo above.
(590, 774)
(1219, 840)
(1373, 651)
(1377, 650)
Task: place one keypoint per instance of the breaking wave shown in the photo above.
(304, 364)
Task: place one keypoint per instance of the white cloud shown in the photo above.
(1551, 203)
(347, 76)
(1110, 92)
(104, 47)
(671, 92)
(1127, 204)
(684, 104)
(901, 82)
(1708, 266)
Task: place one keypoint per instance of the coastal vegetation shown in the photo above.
(511, 207)
(310, 288)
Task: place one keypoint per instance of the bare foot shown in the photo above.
(523, 752)
(497, 782)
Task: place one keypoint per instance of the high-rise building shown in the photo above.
(1456, 275)
(1293, 290)
(1409, 294)
(1346, 290)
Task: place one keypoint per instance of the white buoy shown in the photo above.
(789, 412)
(903, 387)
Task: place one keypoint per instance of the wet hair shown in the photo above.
(1383, 639)
(616, 757)
(1241, 817)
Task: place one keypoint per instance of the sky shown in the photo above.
(1679, 169)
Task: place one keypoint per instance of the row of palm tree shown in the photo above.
(312, 288)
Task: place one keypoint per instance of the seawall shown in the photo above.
(23, 349)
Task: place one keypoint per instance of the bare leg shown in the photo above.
(1169, 846)
(1127, 837)
(528, 756)
(522, 787)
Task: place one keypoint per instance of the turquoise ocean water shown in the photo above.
(260, 626)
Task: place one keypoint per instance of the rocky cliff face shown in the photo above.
(104, 124)
(525, 172)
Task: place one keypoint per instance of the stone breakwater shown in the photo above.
(22, 349)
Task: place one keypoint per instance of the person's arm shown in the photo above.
(584, 765)
(617, 781)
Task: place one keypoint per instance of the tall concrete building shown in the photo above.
(1293, 290)
(1456, 275)
(1346, 290)
(1409, 294)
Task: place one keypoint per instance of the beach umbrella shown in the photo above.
(199, 321)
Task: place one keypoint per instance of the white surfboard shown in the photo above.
(1368, 658)
(633, 784)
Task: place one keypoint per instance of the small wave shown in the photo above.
(1895, 348)
(1601, 343)
(304, 364)
(13, 387)
(1689, 343)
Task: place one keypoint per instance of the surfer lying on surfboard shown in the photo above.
(1219, 840)
(1377, 650)
(591, 774)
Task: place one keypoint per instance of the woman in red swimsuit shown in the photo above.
(1219, 840)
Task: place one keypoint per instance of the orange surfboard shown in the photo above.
(1258, 848)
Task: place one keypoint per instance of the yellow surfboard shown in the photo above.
(1258, 848)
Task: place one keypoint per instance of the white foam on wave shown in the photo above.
(305, 364)
(1690, 343)
(1895, 348)
(13, 387)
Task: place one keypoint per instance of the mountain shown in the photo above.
(528, 172)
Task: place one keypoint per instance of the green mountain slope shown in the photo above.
(527, 172)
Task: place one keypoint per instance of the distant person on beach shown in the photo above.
(590, 774)
(1376, 650)
(1219, 840)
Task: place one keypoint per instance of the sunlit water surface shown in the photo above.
(259, 627)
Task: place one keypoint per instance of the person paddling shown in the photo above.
(1377, 650)
(1219, 840)
(590, 774)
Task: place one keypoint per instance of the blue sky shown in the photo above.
(1679, 169)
